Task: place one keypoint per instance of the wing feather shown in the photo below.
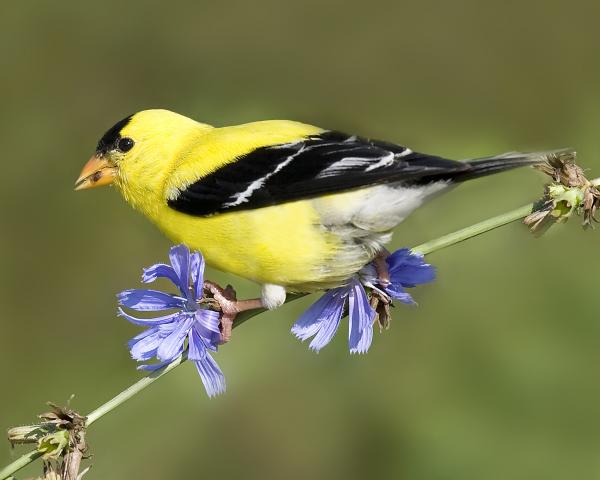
(330, 162)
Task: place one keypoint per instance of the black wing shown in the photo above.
(322, 164)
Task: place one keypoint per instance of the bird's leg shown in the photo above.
(381, 267)
(381, 303)
(230, 306)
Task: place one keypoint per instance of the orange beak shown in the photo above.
(97, 172)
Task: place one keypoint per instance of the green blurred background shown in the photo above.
(495, 376)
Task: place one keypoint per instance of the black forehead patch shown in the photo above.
(111, 137)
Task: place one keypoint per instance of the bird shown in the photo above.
(291, 206)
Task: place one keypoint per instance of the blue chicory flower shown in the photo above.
(321, 321)
(407, 270)
(166, 335)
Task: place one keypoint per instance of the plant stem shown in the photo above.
(474, 230)
(134, 389)
(122, 397)
(152, 377)
(424, 248)
(19, 463)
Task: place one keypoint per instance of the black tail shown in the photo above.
(489, 165)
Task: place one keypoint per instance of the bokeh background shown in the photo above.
(495, 375)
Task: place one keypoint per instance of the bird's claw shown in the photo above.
(226, 301)
(381, 303)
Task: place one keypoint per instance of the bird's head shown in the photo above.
(138, 152)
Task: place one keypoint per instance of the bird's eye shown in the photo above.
(125, 144)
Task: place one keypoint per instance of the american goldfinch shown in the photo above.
(291, 206)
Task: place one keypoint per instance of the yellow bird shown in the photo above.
(291, 206)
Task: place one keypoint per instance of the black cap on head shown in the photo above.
(110, 139)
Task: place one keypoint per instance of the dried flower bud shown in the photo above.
(53, 446)
(29, 433)
(60, 436)
(51, 474)
(562, 168)
(591, 201)
(571, 192)
(63, 417)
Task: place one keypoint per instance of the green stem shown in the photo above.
(154, 376)
(424, 248)
(474, 230)
(19, 463)
(133, 390)
(125, 395)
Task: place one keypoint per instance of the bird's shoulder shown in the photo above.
(207, 152)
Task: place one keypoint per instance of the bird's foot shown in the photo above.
(381, 267)
(381, 303)
(225, 300)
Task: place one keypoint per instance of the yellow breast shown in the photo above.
(283, 244)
